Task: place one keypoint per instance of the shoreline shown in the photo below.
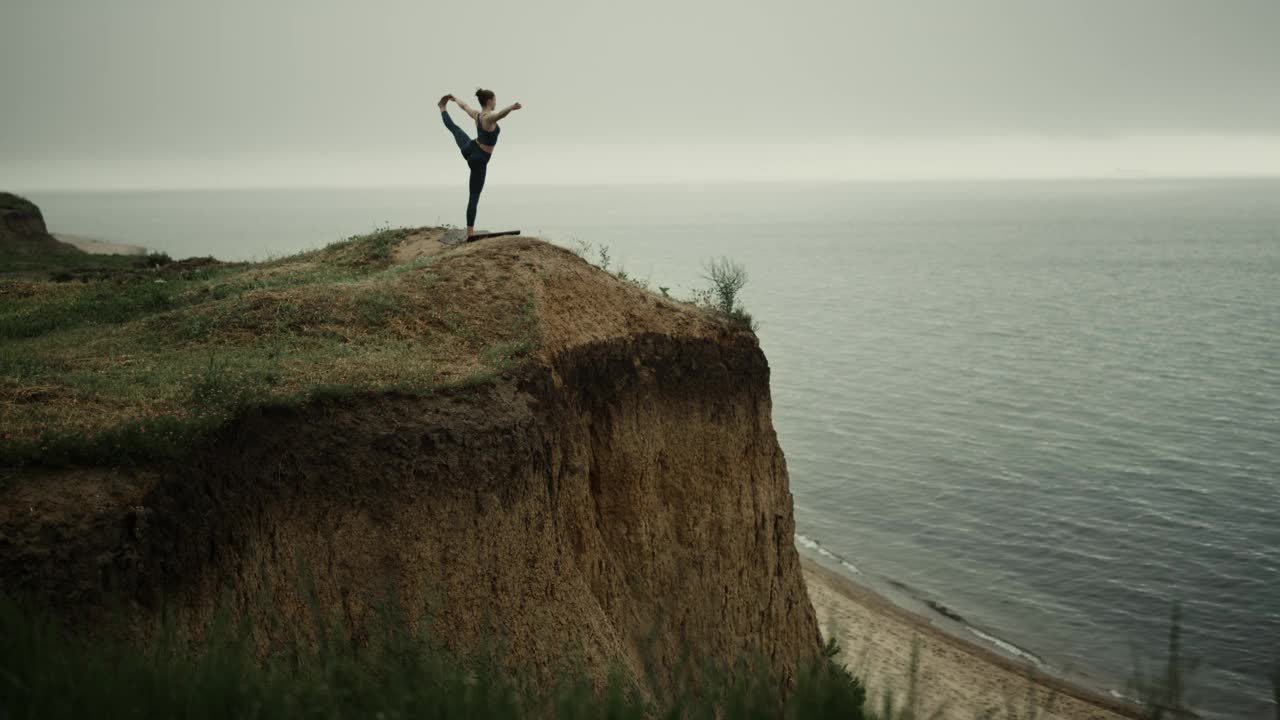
(961, 675)
(94, 246)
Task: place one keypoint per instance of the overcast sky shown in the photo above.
(171, 93)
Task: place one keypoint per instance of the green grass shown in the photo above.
(65, 266)
(139, 359)
(391, 671)
(392, 667)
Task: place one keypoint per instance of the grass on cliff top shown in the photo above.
(135, 359)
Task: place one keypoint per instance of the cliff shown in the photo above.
(591, 469)
(22, 229)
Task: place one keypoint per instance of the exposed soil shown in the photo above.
(624, 483)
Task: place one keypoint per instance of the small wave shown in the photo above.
(1009, 647)
(815, 546)
(1004, 645)
(1127, 698)
(944, 611)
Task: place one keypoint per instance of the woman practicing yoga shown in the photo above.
(476, 152)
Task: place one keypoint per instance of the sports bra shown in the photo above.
(484, 137)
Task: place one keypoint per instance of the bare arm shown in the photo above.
(466, 108)
(506, 111)
(493, 117)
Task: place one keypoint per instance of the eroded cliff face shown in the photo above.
(622, 494)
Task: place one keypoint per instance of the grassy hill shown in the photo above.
(138, 361)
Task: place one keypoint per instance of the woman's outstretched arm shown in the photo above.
(466, 108)
(490, 121)
(499, 114)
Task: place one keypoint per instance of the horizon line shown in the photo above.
(671, 183)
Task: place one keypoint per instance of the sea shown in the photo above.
(1051, 407)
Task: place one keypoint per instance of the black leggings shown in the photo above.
(477, 158)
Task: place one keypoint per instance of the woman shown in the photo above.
(476, 152)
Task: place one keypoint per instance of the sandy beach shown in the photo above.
(100, 247)
(963, 679)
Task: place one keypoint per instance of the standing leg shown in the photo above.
(458, 136)
(479, 169)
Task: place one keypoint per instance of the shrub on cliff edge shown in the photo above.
(727, 278)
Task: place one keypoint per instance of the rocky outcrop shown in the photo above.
(622, 495)
(22, 229)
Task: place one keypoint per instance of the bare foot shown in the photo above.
(444, 101)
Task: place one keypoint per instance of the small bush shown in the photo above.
(727, 279)
(156, 259)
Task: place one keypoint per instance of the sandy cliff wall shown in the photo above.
(625, 481)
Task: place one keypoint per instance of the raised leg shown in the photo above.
(459, 136)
